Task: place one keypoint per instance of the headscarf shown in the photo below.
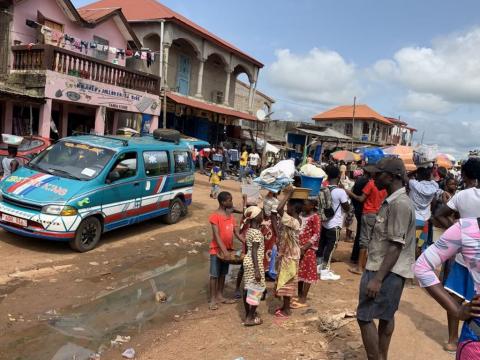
(252, 212)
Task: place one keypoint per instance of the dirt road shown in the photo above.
(55, 303)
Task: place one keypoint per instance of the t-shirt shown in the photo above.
(244, 159)
(339, 196)
(422, 193)
(467, 204)
(225, 225)
(357, 189)
(215, 176)
(253, 159)
(374, 198)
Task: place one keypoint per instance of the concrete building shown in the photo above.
(401, 134)
(68, 67)
(366, 127)
(199, 69)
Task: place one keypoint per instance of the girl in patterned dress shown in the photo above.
(288, 252)
(308, 238)
(254, 273)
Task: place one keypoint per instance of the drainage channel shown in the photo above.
(76, 333)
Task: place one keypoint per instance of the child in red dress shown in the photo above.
(309, 238)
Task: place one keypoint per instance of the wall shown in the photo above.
(51, 10)
(339, 125)
(241, 98)
(214, 78)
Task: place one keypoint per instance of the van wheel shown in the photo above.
(175, 211)
(87, 235)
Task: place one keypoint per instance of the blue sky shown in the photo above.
(419, 60)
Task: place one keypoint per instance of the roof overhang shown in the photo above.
(325, 134)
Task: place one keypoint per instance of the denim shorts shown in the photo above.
(217, 267)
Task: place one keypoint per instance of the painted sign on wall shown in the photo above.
(78, 90)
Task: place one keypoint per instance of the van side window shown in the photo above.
(126, 165)
(156, 163)
(182, 161)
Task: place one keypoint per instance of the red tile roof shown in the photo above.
(179, 99)
(140, 10)
(93, 15)
(346, 112)
(396, 121)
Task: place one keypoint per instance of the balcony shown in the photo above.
(48, 57)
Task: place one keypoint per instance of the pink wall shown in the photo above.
(27, 9)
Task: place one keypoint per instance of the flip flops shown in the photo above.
(212, 307)
(279, 314)
(298, 305)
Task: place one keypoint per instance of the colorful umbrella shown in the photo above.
(345, 155)
(403, 152)
(445, 161)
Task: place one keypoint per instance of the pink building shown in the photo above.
(65, 69)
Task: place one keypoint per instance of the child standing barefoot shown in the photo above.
(288, 252)
(309, 236)
(254, 272)
(223, 228)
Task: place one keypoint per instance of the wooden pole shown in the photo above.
(353, 117)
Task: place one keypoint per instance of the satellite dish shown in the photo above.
(261, 115)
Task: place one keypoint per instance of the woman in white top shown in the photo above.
(10, 163)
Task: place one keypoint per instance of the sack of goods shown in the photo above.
(312, 171)
(12, 140)
(277, 177)
(423, 154)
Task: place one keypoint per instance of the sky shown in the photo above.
(417, 60)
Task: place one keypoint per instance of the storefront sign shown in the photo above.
(78, 90)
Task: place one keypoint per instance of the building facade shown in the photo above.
(65, 70)
(199, 70)
(364, 126)
(402, 134)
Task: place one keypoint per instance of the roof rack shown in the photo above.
(124, 142)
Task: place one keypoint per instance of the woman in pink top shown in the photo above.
(464, 238)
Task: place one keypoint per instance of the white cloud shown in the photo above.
(448, 71)
(429, 103)
(321, 76)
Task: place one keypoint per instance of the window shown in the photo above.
(365, 128)
(182, 161)
(101, 55)
(348, 129)
(156, 163)
(125, 165)
(53, 25)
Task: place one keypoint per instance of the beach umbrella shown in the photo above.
(403, 152)
(445, 161)
(345, 155)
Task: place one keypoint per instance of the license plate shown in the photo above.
(14, 220)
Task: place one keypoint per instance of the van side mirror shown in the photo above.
(112, 177)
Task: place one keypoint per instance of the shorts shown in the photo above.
(366, 230)
(215, 189)
(460, 282)
(218, 267)
(385, 305)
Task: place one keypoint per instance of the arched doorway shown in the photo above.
(215, 79)
(183, 66)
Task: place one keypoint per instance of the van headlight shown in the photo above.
(62, 210)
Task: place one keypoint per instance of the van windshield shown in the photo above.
(72, 160)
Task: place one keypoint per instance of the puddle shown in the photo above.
(77, 332)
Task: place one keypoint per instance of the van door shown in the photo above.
(183, 176)
(157, 182)
(121, 197)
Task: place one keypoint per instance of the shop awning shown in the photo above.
(325, 134)
(179, 99)
(17, 94)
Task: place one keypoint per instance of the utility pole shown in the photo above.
(353, 118)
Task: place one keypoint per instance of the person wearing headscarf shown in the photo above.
(254, 273)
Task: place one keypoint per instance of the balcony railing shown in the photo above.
(48, 57)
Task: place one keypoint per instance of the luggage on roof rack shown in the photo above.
(167, 135)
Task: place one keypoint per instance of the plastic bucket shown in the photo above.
(254, 294)
(312, 183)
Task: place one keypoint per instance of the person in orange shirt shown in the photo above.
(224, 228)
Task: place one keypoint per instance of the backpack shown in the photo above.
(325, 203)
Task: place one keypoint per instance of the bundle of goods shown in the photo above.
(277, 177)
(423, 155)
(12, 140)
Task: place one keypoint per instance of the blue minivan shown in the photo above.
(85, 185)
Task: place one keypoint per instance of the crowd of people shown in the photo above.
(406, 226)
